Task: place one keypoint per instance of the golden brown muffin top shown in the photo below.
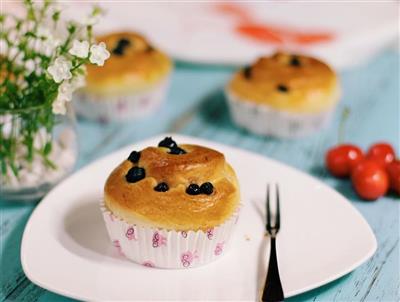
(134, 64)
(293, 83)
(140, 203)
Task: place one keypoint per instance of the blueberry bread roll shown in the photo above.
(284, 95)
(182, 192)
(132, 82)
(134, 65)
(189, 189)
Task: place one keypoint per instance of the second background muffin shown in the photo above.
(131, 84)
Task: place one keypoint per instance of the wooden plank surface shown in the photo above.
(196, 106)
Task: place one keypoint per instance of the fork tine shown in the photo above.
(278, 212)
(268, 211)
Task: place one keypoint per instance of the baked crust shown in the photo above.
(293, 83)
(138, 67)
(139, 203)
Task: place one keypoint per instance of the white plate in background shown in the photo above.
(206, 33)
(65, 248)
(202, 32)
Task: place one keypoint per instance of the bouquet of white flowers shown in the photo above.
(42, 62)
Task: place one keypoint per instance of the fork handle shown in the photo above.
(273, 288)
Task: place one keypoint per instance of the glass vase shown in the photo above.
(37, 150)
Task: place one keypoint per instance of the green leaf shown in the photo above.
(3, 166)
(47, 148)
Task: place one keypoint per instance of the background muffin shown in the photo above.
(283, 95)
(176, 205)
(131, 84)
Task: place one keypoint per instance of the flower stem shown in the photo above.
(343, 119)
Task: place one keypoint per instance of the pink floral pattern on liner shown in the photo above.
(219, 248)
(210, 233)
(130, 234)
(188, 257)
(148, 264)
(118, 246)
(159, 240)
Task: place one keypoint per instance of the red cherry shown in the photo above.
(341, 159)
(393, 170)
(383, 153)
(370, 180)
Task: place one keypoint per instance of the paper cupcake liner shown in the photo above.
(154, 247)
(124, 107)
(264, 120)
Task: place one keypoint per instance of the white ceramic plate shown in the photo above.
(65, 248)
(206, 32)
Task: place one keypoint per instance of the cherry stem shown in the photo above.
(344, 117)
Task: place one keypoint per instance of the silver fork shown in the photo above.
(273, 288)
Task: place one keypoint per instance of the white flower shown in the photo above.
(30, 66)
(91, 20)
(98, 54)
(64, 95)
(43, 32)
(29, 25)
(56, 7)
(34, 44)
(13, 35)
(65, 91)
(79, 49)
(3, 47)
(78, 82)
(16, 55)
(58, 106)
(60, 69)
(22, 84)
(13, 52)
(46, 43)
(48, 46)
(38, 68)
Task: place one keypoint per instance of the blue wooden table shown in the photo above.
(196, 106)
